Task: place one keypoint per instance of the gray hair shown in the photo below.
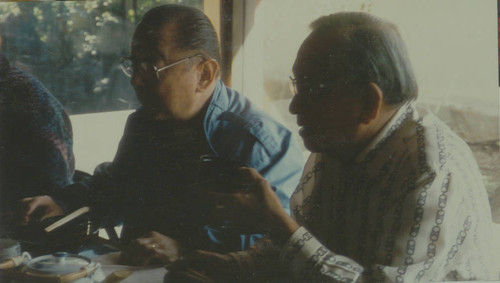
(371, 51)
(193, 31)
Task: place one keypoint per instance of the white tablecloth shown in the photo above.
(109, 264)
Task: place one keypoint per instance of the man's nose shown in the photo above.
(296, 105)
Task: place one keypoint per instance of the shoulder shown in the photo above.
(443, 148)
(235, 123)
(269, 133)
(426, 140)
(23, 81)
(438, 156)
(423, 147)
(25, 91)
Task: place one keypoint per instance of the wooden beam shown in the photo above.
(226, 39)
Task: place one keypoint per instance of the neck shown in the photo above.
(367, 134)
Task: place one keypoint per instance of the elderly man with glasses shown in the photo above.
(186, 112)
(387, 195)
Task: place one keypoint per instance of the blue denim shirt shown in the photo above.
(238, 131)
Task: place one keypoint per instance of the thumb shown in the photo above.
(28, 205)
(249, 174)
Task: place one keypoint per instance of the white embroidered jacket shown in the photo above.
(411, 208)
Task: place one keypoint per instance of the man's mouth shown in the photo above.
(305, 131)
(305, 128)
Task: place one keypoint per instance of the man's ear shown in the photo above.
(372, 103)
(209, 70)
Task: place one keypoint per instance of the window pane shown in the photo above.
(74, 47)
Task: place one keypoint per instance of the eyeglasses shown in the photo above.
(305, 88)
(309, 90)
(129, 67)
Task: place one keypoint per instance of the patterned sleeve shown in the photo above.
(260, 263)
(442, 238)
(308, 259)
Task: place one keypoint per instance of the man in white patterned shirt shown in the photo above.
(386, 195)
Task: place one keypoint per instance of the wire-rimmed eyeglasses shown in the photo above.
(128, 66)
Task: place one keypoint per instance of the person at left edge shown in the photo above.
(186, 112)
(36, 139)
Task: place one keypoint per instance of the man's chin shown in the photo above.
(322, 144)
(154, 113)
(312, 144)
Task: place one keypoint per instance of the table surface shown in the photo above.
(109, 264)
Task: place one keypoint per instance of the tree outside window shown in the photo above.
(74, 47)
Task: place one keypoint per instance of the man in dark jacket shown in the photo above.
(186, 112)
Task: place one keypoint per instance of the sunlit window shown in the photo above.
(74, 47)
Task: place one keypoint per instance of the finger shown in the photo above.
(136, 251)
(148, 242)
(255, 181)
(149, 257)
(27, 208)
(249, 174)
(143, 241)
(29, 205)
(137, 257)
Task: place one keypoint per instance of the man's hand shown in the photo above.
(150, 248)
(254, 210)
(38, 208)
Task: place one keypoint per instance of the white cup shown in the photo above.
(8, 249)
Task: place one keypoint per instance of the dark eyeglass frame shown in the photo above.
(318, 90)
(128, 68)
(311, 91)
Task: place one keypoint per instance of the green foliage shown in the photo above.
(74, 47)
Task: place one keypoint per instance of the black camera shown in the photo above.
(220, 175)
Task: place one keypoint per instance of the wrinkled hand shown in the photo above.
(203, 266)
(38, 208)
(254, 210)
(150, 249)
